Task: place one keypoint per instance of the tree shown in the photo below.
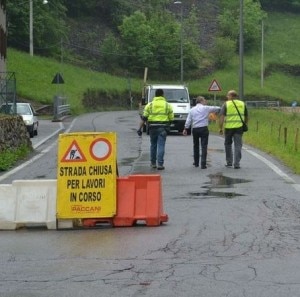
(193, 54)
(48, 25)
(166, 44)
(136, 35)
(110, 53)
(155, 43)
(229, 22)
(223, 51)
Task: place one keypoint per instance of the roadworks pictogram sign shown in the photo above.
(87, 175)
(74, 154)
(214, 86)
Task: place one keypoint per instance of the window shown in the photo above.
(173, 95)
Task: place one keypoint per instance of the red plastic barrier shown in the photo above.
(139, 198)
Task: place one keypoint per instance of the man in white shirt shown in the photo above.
(198, 120)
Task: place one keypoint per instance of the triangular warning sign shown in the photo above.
(214, 86)
(73, 154)
(57, 79)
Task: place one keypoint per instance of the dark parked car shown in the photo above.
(27, 112)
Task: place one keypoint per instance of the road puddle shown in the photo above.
(218, 181)
(126, 161)
(214, 194)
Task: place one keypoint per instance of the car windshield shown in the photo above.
(173, 95)
(23, 109)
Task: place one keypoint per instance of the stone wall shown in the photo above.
(13, 133)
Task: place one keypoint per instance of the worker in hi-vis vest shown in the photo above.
(158, 114)
(233, 116)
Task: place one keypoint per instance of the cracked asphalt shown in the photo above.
(230, 232)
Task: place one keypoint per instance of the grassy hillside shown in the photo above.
(281, 43)
(35, 74)
(34, 77)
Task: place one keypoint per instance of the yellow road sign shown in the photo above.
(87, 175)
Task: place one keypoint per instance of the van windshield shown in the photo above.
(173, 95)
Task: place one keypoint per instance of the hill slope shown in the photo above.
(87, 34)
(280, 81)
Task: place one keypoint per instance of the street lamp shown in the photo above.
(181, 41)
(31, 25)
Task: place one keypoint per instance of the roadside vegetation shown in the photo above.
(9, 158)
(35, 74)
(274, 132)
(280, 81)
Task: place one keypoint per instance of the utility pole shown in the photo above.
(241, 52)
(30, 28)
(181, 40)
(31, 25)
(262, 55)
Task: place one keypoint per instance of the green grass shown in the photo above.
(34, 77)
(282, 42)
(267, 132)
(281, 45)
(34, 74)
(277, 133)
(8, 158)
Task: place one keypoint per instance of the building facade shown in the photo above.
(3, 36)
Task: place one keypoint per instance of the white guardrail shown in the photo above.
(60, 107)
(63, 109)
(258, 104)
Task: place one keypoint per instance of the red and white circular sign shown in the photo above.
(100, 149)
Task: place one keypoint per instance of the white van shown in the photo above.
(177, 96)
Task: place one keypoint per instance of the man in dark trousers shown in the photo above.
(198, 118)
(158, 113)
(232, 115)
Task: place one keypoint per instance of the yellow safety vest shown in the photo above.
(232, 119)
(159, 111)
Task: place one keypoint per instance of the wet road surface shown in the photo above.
(230, 232)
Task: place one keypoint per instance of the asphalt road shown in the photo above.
(230, 232)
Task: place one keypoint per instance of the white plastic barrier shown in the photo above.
(28, 202)
(7, 207)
